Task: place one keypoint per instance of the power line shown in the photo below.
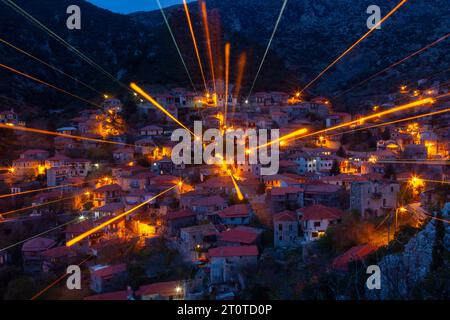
(393, 65)
(268, 46)
(41, 26)
(50, 66)
(49, 85)
(34, 130)
(392, 122)
(191, 29)
(40, 234)
(354, 44)
(176, 46)
(58, 280)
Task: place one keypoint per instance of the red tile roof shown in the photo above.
(117, 295)
(151, 127)
(110, 270)
(343, 177)
(38, 244)
(164, 179)
(209, 201)
(285, 216)
(239, 235)
(58, 252)
(52, 195)
(58, 157)
(321, 188)
(32, 152)
(109, 188)
(216, 182)
(179, 214)
(235, 211)
(233, 251)
(285, 190)
(80, 227)
(164, 289)
(110, 207)
(124, 150)
(353, 254)
(319, 212)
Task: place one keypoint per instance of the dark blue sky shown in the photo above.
(127, 6)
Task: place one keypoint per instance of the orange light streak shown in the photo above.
(112, 220)
(136, 88)
(37, 206)
(427, 162)
(195, 43)
(48, 85)
(285, 137)
(436, 181)
(63, 276)
(369, 117)
(208, 41)
(34, 130)
(236, 187)
(240, 72)
(394, 121)
(42, 189)
(39, 234)
(393, 65)
(398, 6)
(227, 75)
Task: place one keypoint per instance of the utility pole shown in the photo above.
(389, 228)
(396, 218)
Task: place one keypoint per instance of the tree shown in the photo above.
(386, 134)
(439, 251)
(389, 172)
(136, 273)
(341, 152)
(261, 188)
(335, 169)
(21, 288)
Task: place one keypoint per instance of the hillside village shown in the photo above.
(340, 200)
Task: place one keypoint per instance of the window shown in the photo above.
(317, 224)
(314, 235)
(280, 227)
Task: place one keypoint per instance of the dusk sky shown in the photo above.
(121, 6)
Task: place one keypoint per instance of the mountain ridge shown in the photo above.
(138, 47)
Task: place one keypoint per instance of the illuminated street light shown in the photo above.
(372, 159)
